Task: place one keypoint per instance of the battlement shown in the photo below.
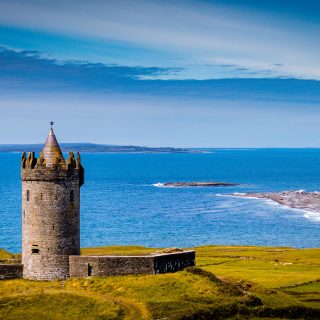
(36, 169)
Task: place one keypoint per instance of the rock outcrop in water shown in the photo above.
(297, 199)
(199, 184)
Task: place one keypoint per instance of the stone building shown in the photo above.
(51, 226)
(50, 211)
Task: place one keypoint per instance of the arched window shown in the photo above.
(28, 195)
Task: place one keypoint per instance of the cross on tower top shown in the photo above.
(51, 124)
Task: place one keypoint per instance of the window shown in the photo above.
(41, 196)
(28, 195)
(71, 196)
(90, 269)
(35, 249)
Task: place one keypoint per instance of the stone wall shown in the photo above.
(84, 266)
(10, 271)
(173, 262)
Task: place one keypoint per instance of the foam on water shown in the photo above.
(313, 216)
(162, 185)
(159, 185)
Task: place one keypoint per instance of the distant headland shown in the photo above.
(97, 148)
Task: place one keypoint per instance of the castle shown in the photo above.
(50, 211)
(51, 226)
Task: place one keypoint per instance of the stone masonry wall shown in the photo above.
(83, 266)
(110, 265)
(173, 262)
(50, 222)
(10, 271)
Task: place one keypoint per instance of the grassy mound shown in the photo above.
(5, 255)
(228, 283)
(57, 306)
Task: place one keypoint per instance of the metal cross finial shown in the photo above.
(51, 124)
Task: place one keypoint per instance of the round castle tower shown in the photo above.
(50, 211)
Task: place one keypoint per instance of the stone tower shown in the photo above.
(50, 211)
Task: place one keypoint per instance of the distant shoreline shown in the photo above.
(96, 148)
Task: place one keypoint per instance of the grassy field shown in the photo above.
(227, 283)
(5, 256)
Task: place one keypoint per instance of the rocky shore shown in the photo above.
(297, 199)
(199, 184)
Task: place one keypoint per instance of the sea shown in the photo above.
(124, 202)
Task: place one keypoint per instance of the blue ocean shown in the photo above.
(123, 202)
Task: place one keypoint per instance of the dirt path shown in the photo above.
(133, 310)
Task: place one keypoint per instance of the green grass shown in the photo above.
(270, 267)
(57, 306)
(228, 283)
(5, 255)
(117, 250)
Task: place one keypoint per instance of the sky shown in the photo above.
(189, 73)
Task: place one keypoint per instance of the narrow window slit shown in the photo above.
(90, 269)
(35, 249)
(71, 196)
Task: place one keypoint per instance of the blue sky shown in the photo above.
(161, 73)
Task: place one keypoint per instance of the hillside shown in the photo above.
(233, 282)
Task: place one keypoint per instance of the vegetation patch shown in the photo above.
(57, 306)
(227, 283)
(7, 257)
(117, 250)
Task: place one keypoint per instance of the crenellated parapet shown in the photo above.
(37, 169)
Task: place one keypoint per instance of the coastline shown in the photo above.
(309, 202)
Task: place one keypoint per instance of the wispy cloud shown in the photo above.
(197, 32)
(29, 70)
(161, 72)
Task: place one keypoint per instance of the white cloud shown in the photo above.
(196, 32)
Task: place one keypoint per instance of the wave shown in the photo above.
(235, 195)
(312, 215)
(162, 185)
(159, 185)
